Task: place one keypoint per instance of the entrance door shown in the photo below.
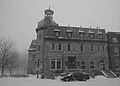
(102, 66)
(71, 62)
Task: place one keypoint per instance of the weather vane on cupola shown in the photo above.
(49, 12)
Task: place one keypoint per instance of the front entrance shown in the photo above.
(71, 62)
(102, 66)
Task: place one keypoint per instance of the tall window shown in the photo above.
(33, 57)
(81, 48)
(38, 36)
(56, 64)
(52, 63)
(82, 64)
(38, 47)
(35, 63)
(59, 47)
(92, 48)
(91, 35)
(53, 47)
(92, 64)
(103, 48)
(116, 51)
(69, 47)
(117, 63)
(98, 48)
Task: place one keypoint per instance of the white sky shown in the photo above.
(18, 18)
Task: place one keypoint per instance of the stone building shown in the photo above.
(63, 48)
(114, 50)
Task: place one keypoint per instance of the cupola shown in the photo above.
(48, 19)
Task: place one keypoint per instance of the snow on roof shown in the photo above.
(90, 31)
(80, 31)
(56, 30)
(31, 49)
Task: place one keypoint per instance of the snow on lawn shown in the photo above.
(33, 81)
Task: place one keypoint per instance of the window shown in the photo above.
(38, 62)
(92, 65)
(56, 64)
(69, 47)
(117, 63)
(103, 48)
(81, 35)
(33, 57)
(66, 63)
(92, 48)
(82, 64)
(81, 48)
(98, 48)
(56, 33)
(114, 39)
(53, 47)
(59, 47)
(100, 36)
(38, 47)
(91, 35)
(52, 63)
(35, 63)
(69, 34)
(116, 51)
(38, 36)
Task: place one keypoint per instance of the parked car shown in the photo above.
(76, 76)
(65, 74)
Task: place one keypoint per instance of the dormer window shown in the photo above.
(100, 36)
(57, 33)
(91, 35)
(81, 35)
(69, 33)
(114, 39)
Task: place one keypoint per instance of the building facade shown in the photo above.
(61, 49)
(114, 50)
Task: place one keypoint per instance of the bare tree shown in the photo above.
(7, 50)
(13, 62)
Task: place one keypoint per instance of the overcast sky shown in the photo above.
(18, 18)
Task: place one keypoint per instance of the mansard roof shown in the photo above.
(33, 45)
(117, 33)
(49, 32)
(43, 23)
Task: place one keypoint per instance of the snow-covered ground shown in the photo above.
(33, 81)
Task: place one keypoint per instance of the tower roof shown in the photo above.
(49, 11)
(48, 19)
